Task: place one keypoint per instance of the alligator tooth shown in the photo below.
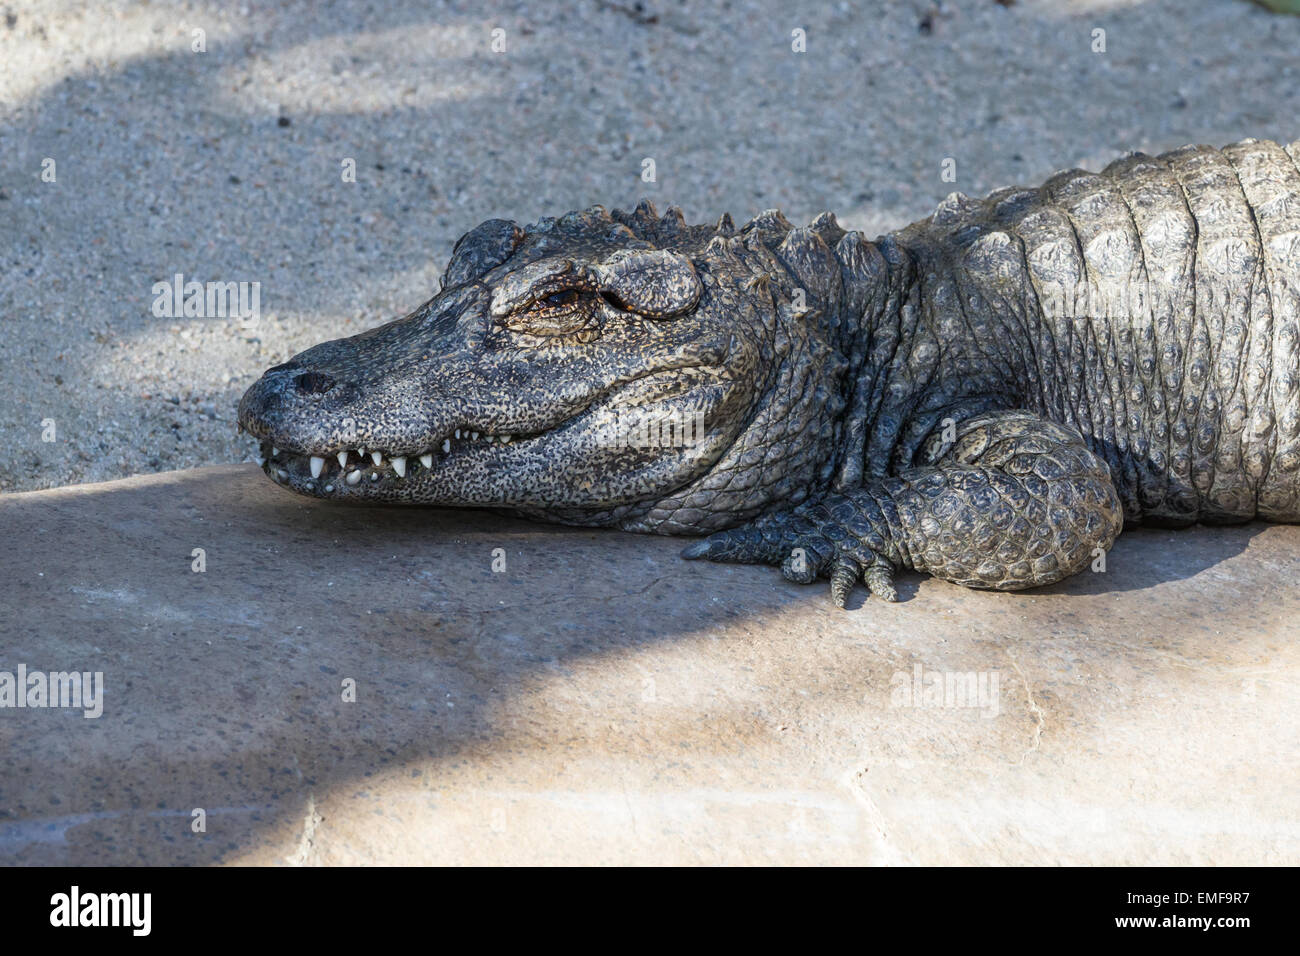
(343, 459)
(426, 461)
(505, 438)
(361, 453)
(354, 477)
(473, 436)
(282, 474)
(275, 452)
(457, 432)
(317, 466)
(374, 476)
(329, 488)
(446, 446)
(260, 461)
(399, 466)
(491, 439)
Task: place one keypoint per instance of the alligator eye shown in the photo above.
(558, 300)
(560, 313)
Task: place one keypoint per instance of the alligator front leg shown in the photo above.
(1007, 501)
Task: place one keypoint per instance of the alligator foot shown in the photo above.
(1002, 501)
(833, 539)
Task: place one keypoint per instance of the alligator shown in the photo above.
(989, 395)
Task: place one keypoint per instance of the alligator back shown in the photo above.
(1155, 306)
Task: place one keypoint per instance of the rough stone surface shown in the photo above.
(601, 700)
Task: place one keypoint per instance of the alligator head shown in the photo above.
(601, 369)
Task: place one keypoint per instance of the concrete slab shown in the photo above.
(601, 701)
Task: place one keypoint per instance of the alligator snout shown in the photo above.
(260, 403)
(306, 382)
(289, 393)
(313, 383)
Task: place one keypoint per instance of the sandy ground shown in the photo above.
(226, 165)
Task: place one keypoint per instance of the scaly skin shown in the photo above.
(988, 395)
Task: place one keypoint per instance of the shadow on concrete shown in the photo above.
(224, 688)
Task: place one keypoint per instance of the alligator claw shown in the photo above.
(844, 574)
(697, 549)
(879, 579)
(743, 545)
(806, 546)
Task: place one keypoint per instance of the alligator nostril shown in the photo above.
(313, 383)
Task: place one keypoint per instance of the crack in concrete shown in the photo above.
(875, 816)
(1039, 720)
(306, 843)
(627, 802)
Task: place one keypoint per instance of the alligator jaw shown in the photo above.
(358, 473)
(404, 468)
(591, 456)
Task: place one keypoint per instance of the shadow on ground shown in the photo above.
(601, 699)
